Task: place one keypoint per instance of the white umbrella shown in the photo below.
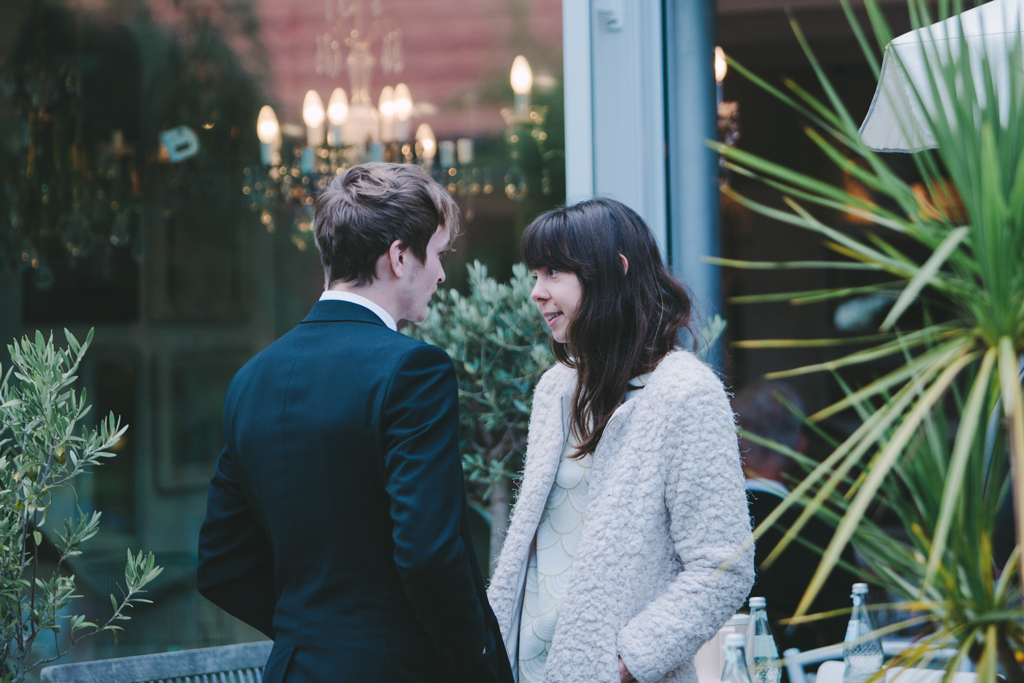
(895, 122)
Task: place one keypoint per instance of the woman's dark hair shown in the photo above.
(626, 321)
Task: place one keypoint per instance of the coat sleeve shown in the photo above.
(236, 560)
(710, 529)
(423, 479)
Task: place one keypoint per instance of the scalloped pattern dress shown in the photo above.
(550, 566)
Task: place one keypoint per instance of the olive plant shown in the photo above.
(500, 349)
(40, 452)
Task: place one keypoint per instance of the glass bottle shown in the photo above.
(861, 652)
(735, 667)
(761, 654)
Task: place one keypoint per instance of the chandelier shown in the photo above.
(350, 130)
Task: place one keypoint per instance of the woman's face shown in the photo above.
(557, 295)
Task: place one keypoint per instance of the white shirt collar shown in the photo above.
(335, 295)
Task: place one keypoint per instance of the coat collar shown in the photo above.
(329, 311)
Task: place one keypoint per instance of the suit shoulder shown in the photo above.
(420, 352)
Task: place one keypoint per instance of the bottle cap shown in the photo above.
(739, 620)
(860, 588)
(761, 602)
(735, 640)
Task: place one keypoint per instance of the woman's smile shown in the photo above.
(551, 317)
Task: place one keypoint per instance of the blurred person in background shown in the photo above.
(769, 473)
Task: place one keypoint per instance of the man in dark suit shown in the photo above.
(337, 520)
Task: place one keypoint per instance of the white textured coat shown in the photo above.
(665, 557)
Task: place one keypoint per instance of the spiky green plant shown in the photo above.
(973, 269)
(968, 608)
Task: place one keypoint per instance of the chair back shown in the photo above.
(228, 664)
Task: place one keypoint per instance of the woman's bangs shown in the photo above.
(546, 243)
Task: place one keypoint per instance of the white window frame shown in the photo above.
(639, 106)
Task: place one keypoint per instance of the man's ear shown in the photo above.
(396, 258)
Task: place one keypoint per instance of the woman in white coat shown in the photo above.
(629, 545)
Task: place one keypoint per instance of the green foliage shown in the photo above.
(971, 269)
(40, 452)
(952, 593)
(500, 349)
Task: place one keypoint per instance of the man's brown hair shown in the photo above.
(369, 206)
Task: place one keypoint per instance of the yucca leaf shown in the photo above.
(924, 276)
(893, 378)
(852, 205)
(846, 164)
(965, 439)
(848, 126)
(1009, 569)
(1013, 409)
(989, 660)
(781, 96)
(890, 250)
(869, 53)
(814, 224)
(800, 180)
(836, 465)
(878, 23)
(881, 351)
(808, 343)
(814, 295)
(788, 265)
(881, 466)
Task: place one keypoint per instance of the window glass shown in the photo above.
(158, 165)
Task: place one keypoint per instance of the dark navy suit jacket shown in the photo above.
(337, 520)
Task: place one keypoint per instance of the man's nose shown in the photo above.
(443, 277)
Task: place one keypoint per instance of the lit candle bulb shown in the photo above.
(386, 106)
(522, 84)
(313, 116)
(403, 110)
(337, 112)
(426, 144)
(721, 69)
(269, 133)
(464, 147)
